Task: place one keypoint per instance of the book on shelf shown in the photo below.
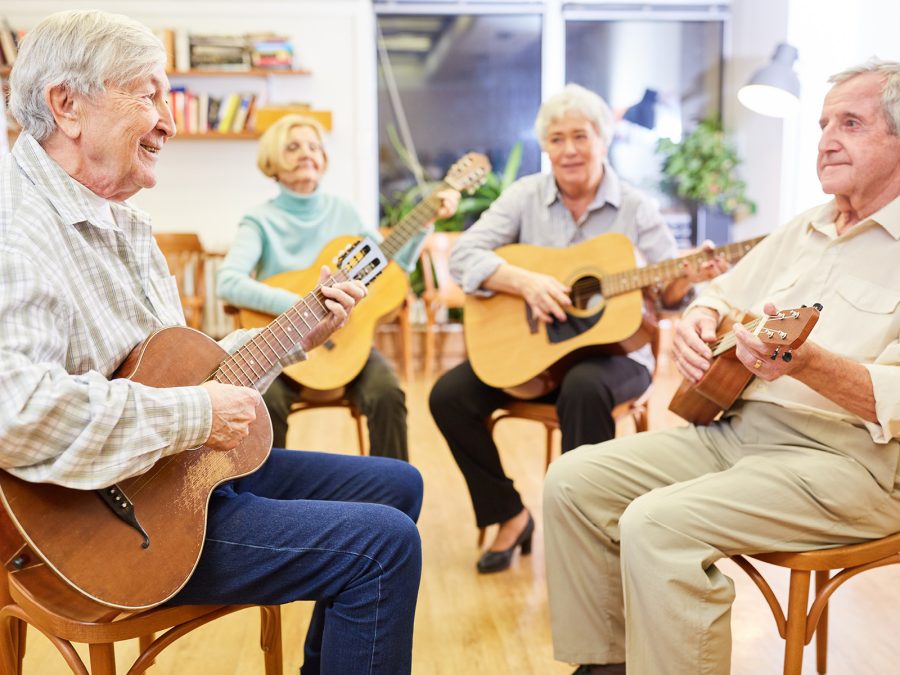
(227, 111)
(167, 37)
(271, 52)
(219, 52)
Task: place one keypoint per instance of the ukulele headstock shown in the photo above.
(789, 328)
(469, 172)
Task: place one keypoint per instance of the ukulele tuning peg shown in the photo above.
(786, 357)
(818, 306)
(775, 353)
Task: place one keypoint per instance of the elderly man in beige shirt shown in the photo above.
(806, 459)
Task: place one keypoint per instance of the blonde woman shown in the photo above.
(287, 233)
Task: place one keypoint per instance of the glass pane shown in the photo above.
(466, 83)
(660, 78)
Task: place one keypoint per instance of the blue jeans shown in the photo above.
(336, 529)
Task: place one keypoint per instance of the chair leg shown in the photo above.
(822, 577)
(405, 337)
(795, 630)
(103, 659)
(549, 454)
(12, 645)
(270, 639)
(144, 643)
(428, 362)
(360, 434)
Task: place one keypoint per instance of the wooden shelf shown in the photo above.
(253, 72)
(217, 136)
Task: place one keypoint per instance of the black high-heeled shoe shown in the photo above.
(497, 561)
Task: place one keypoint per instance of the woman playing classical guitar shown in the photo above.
(287, 233)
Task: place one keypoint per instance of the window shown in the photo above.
(465, 82)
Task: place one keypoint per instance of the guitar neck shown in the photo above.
(247, 366)
(666, 271)
(728, 341)
(412, 223)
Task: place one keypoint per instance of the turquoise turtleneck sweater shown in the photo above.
(288, 233)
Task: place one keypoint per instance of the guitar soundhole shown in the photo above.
(586, 293)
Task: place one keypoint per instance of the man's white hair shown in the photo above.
(84, 51)
(890, 92)
(577, 99)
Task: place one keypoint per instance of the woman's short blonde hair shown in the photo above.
(575, 99)
(270, 154)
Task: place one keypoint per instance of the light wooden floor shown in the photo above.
(498, 624)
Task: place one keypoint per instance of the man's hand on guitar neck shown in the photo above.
(546, 296)
(756, 355)
(339, 300)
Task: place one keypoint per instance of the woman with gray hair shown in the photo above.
(82, 283)
(580, 199)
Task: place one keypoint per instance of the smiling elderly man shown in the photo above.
(82, 283)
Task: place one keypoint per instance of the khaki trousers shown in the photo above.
(634, 526)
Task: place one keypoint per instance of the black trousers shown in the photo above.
(375, 391)
(460, 403)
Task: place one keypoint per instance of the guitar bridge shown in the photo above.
(123, 509)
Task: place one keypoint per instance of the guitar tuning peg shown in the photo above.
(775, 353)
(787, 356)
(818, 306)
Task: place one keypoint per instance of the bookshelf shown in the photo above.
(179, 77)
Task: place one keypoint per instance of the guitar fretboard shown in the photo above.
(728, 341)
(661, 273)
(258, 356)
(422, 214)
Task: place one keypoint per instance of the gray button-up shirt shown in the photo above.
(531, 211)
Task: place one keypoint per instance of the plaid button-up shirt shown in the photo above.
(77, 294)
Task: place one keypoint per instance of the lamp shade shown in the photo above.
(774, 90)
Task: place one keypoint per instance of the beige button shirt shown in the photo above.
(855, 276)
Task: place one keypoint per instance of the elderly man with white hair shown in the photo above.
(808, 457)
(580, 199)
(82, 283)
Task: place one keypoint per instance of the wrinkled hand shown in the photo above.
(708, 269)
(693, 335)
(339, 300)
(546, 295)
(233, 410)
(449, 204)
(757, 356)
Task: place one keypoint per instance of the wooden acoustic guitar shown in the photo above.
(727, 377)
(134, 544)
(340, 359)
(511, 349)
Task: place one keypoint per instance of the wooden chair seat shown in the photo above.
(802, 620)
(333, 398)
(35, 596)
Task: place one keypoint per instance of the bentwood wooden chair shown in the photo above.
(441, 293)
(34, 596)
(802, 620)
(185, 256)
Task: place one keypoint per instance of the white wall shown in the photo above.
(830, 35)
(206, 185)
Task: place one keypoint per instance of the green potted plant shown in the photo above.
(702, 170)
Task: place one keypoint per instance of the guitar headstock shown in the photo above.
(789, 328)
(468, 172)
(362, 261)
